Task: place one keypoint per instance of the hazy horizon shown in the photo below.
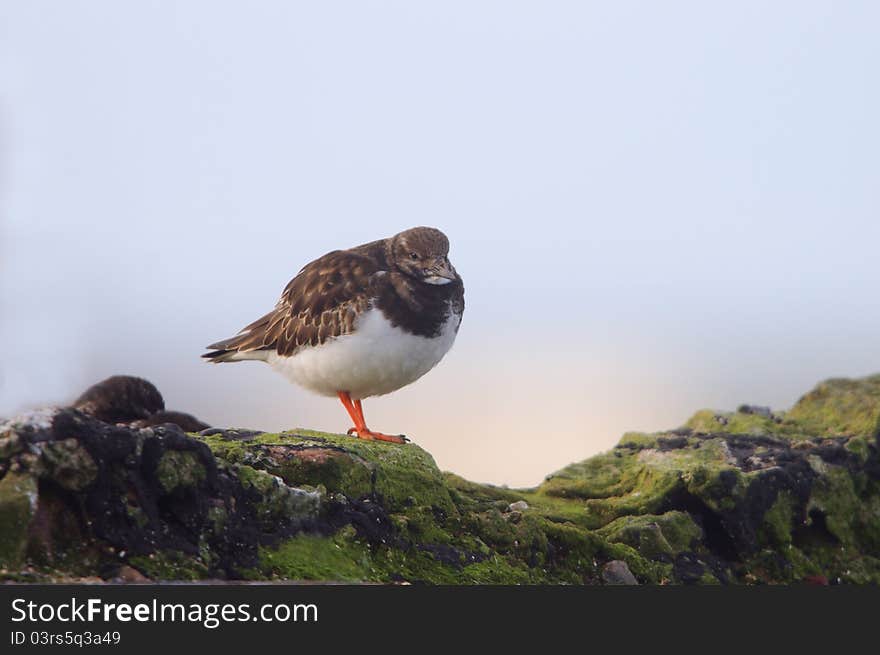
(655, 209)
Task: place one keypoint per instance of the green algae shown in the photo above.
(401, 475)
(654, 535)
(69, 464)
(179, 469)
(311, 557)
(18, 499)
(710, 421)
(342, 559)
(601, 476)
(278, 501)
(170, 565)
(403, 478)
(778, 522)
(840, 407)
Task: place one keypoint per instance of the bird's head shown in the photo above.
(422, 253)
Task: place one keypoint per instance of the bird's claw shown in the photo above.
(377, 436)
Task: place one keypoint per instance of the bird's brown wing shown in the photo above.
(321, 302)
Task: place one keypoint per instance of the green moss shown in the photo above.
(343, 559)
(628, 482)
(721, 488)
(170, 565)
(137, 515)
(308, 557)
(584, 550)
(834, 496)
(179, 469)
(840, 407)
(422, 525)
(861, 447)
(229, 450)
(472, 497)
(643, 535)
(777, 524)
(68, 463)
(637, 440)
(401, 475)
(654, 536)
(679, 530)
(867, 523)
(860, 569)
(18, 502)
(798, 566)
(496, 570)
(710, 421)
(602, 476)
(278, 501)
(337, 471)
(217, 518)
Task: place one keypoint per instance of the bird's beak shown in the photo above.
(440, 272)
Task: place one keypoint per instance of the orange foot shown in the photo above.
(354, 409)
(377, 436)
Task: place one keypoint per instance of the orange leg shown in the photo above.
(346, 401)
(356, 412)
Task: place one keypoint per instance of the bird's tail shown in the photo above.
(250, 343)
(230, 350)
(223, 356)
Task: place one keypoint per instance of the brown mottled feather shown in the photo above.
(321, 302)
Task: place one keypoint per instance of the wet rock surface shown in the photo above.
(99, 491)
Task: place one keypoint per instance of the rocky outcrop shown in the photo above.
(750, 496)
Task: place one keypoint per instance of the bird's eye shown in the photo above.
(413, 255)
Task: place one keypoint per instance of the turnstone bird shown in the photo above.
(360, 322)
(121, 399)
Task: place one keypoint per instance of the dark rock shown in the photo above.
(231, 434)
(617, 572)
(689, 569)
(115, 489)
(186, 422)
(758, 410)
(672, 443)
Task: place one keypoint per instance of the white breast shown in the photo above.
(377, 358)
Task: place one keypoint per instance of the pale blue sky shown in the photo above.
(655, 206)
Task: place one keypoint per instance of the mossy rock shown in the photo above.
(656, 536)
(401, 475)
(709, 421)
(180, 470)
(749, 496)
(840, 407)
(68, 464)
(18, 504)
(277, 499)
